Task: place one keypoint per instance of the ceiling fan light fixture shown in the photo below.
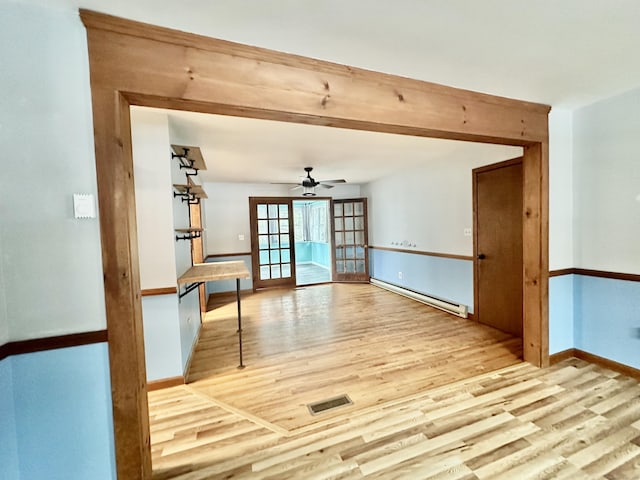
(308, 192)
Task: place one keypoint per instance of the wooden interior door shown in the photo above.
(350, 240)
(272, 243)
(497, 192)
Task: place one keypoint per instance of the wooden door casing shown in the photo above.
(498, 217)
(281, 280)
(350, 240)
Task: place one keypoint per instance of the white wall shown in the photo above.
(227, 211)
(4, 319)
(607, 184)
(154, 193)
(561, 236)
(51, 263)
(428, 206)
(156, 243)
(170, 325)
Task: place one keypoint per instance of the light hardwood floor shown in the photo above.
(573, 420)
(315, 343)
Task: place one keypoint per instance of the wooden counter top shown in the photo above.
(207, 272)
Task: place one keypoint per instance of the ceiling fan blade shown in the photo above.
(341, 180)
(325, 186)
(283, 183)
(297, 187)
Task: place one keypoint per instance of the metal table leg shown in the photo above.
(239, 321)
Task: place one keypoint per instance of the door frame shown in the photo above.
(331, 242)
(474, 181)
(255, 248)
(348, 277)
(132, 63)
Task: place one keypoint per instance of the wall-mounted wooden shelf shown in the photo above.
(190, 157)
(188, 233)
(194, 189)
(191, 192)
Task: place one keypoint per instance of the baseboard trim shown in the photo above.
(561, 356)
(610, 364)
(595, 359)
(165, 383)
(220, 298)
(222, 255)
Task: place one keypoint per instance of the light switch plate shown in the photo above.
(84, 205)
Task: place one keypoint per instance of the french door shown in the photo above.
(349, 230)
(272, 252)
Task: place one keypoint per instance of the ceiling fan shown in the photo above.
(309, 184)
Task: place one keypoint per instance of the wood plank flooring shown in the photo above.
(574, 420)
(310, 344)
(571, 421)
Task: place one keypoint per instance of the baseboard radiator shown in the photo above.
(459, 310)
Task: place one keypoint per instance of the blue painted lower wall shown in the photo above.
(230, 285)
(313, 252)
(9, 466)
(320, 254)
(445, 278)
(607, 318)
(561, 313)
(597, 315)
(303, 252)
(62, 421)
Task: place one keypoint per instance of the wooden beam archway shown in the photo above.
(138, 64)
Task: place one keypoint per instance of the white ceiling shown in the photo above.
(565, 53)
(255, 151)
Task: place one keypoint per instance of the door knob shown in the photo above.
(481, 256)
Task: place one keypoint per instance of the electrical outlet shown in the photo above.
(188, 320)
(467, 232)
(400, 275)
(241, 237)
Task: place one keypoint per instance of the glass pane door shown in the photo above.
(351, 259)
(271, 242)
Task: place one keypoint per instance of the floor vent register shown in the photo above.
(330, 404)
